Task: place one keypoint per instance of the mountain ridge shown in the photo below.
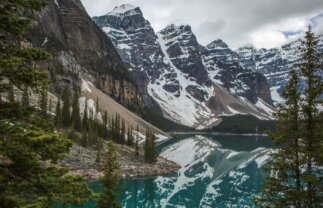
(174, 69)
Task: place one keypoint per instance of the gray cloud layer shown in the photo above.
(262, 23)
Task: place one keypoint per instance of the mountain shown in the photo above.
(82, 53)
(274, 63)
(192, 84)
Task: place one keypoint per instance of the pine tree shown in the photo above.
(129, 137)
(66, 110)
(58, 114)
(76, 117)
(146, 147)
(136, 142)
(11, 94)
(105, 124)
(150, 155)
(28, 139)
(97, 106)
(108, 197)
(85, 118)
(283, 187)
(311, 68)
(123, 132)
(296, 179)
(153, 147)
(50, 105)
(25, 98)
(43, 102)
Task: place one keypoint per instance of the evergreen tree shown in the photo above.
(108, 197)
(97, 106)
(295, 177)
(150, 156)
(311, 69)
(84, 139)
(66, 110)
(58, 114)
(27, 139)
(43, 101)
(105, 124)
(123, 131)
(129, 137)
(136, 142)
(146, 147)
(50, 105)
(11, 94)
(76, 117)
(25, 98)
(85, 118)
(99, 146)
(283, 187)
(152, 147)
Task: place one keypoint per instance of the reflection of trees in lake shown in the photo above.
(149, 192)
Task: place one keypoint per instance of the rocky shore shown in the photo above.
(82, 161)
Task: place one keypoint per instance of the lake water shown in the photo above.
(216, 171)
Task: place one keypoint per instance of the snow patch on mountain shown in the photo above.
(121, 10)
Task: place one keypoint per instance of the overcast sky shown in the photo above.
(261, 23)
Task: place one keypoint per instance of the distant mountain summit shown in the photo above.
(193, 84)
(274, 63)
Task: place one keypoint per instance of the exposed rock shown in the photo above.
(274, 63)
(81, 161)
(175, 70)
(79, 49)
(196, 93)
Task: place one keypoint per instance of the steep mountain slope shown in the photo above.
(274, 63)
(182, 76)
(81, 51)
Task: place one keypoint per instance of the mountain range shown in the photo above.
(193, 84)
(165, 74)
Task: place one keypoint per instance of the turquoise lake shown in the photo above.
(216, 171)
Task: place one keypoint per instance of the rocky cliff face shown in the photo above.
(80, 50)
(223, 64)
(274, 63)
(178, 73)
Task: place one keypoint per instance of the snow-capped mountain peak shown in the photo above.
(192, 84)
(217, 44)
(124, 9)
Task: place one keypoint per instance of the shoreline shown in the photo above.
(81, 161)
(215, 133)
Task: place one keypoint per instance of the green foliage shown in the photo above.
(136, 142)
(311, 69)
(295, 177)
(25, 180)
(66, 110)
(85, 118)
(76, 117)
(58, 114)
(16, 59)
(29, 175)
(25, 98)
(130, 141)
(43, 101)
(149, 148)
(108, 197)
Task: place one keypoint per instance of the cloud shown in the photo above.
(262, 23)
